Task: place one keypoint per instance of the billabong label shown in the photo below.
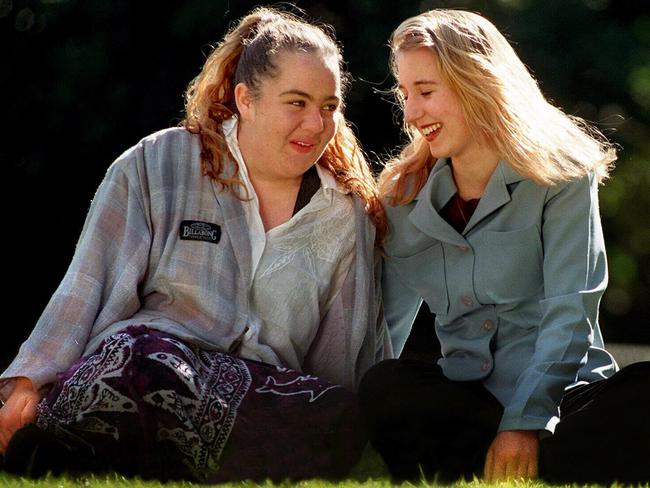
(194, 230)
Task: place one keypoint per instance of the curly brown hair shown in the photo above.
(246, 55)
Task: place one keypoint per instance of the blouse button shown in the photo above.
(485, 366)
(488, 325)
(467, 301)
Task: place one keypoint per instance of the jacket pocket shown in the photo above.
(509, 265)
(424, 272)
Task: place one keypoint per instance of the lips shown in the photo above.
(302, 146)
(430, 131)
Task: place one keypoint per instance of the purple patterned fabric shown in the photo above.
(153, 405)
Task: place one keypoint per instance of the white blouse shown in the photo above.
(298, 267)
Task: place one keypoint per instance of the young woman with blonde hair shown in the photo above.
(221, 302)
(494, 223)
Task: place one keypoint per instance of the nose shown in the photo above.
(313, 121)
(412, 110)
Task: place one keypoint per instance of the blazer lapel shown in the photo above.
(440, 187)
(437, 191)
(496, 194)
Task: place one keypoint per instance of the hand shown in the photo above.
(19, 410)
(512, 454)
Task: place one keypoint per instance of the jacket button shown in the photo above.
(467, 301)
(488, 325)
(485, 366)
(462, 248)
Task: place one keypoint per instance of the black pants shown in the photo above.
(425, 424)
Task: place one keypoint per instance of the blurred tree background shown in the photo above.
(84, 80)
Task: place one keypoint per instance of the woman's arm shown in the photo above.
(101, 283)
(575, 277)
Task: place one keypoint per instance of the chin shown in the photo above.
(439, 154)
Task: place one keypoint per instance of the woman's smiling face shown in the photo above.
(431, 106)
(285, 128)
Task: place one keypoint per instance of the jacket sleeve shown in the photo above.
(383, 345)
(575, 278)
(401, 305)
(100, 286)
(352, 336)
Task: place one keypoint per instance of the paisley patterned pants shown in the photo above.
(151, 405)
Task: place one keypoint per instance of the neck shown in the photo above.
(472, 175)
(275, 192)
(260, 170)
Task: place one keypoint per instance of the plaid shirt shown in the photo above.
(167, 247)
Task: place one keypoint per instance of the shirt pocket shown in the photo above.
(198, 264)
(509, 265)
(424, 272)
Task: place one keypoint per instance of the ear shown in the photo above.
(244, 101)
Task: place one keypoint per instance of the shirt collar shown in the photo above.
(229, 126)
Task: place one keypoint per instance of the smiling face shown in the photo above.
(432, 107)
(285, 127)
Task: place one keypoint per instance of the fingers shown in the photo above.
(512, 455)
(519, 468)
(495, 464)
(5, 429)
(531, 472)
(503, 468)
(28, 414)
(510, 469)
(488, 470)
(20, 409)
(500, 468)
(4, 441)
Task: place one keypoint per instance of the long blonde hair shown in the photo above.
(501, 102)
(246, 55)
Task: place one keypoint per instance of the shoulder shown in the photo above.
(364, 228)
(359, 209)
(166, 135)
(174, 143)
(163, 153)
(397, 217)
(585, 187)
(417, 184)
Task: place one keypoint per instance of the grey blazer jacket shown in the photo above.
(516, 294)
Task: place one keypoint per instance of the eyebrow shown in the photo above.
(307, 95)
(422, 82)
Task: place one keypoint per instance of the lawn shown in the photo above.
(371, 472)
(119, 482)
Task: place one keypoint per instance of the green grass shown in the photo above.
(113, 481)
(109, 481)
(371, 472)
